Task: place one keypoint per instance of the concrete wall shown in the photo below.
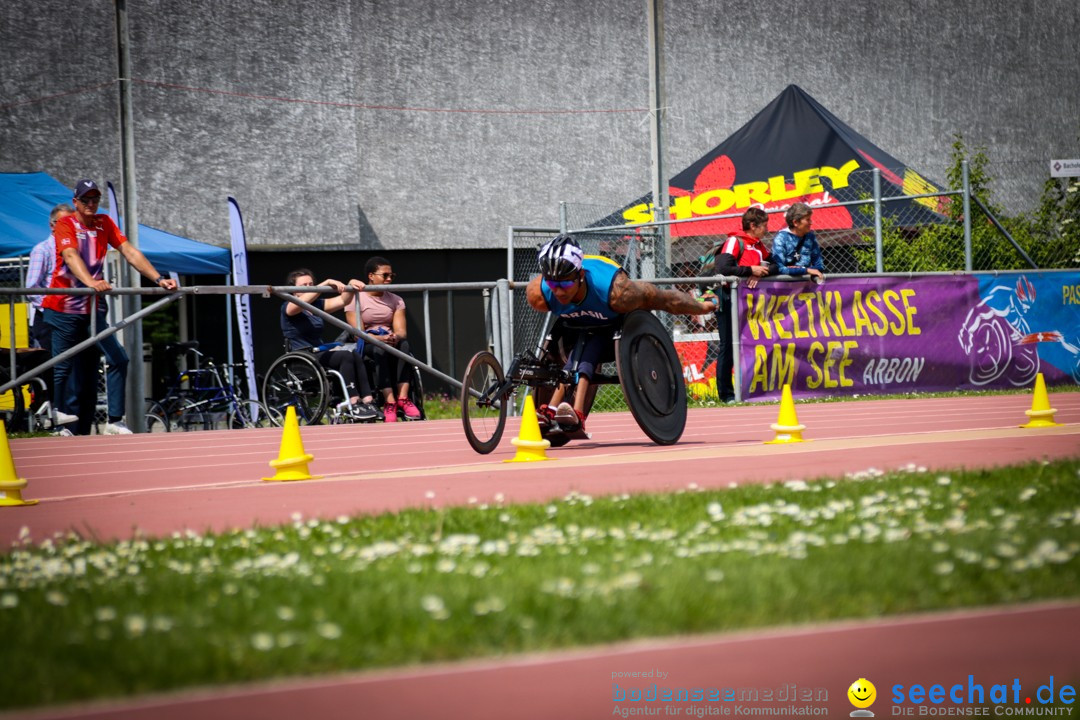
(409, 124)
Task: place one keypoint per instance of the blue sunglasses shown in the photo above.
(560, 284)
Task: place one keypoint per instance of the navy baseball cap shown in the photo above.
(85, 187)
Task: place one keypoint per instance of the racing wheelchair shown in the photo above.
(296, 378)
(647, 368)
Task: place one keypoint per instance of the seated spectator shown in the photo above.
(382, 314)
(303, 329)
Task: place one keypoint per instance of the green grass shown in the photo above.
(83, 620)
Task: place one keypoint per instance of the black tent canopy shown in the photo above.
(794, 150)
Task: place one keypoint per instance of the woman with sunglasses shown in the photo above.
(589, 293)
(382, 314)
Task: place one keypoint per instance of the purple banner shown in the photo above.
(888, 335)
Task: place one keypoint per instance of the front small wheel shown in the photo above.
(483, 413)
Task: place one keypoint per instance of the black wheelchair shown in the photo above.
(647, 368)
(318, 393)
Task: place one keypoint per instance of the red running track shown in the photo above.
(111, 487)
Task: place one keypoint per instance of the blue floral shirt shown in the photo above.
(783, 249)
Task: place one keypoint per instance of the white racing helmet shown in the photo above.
(560, 258)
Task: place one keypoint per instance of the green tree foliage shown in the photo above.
(1050, 235)
(1059, 214)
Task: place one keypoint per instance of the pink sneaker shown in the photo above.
(408, 407)
(390, 412)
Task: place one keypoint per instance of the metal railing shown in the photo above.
(496, 318)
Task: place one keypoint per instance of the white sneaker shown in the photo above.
(45, 416)
(63, 432)
(116, 428)
(63, 418)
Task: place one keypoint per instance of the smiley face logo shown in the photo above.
(862, 693)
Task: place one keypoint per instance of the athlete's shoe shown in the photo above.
(390, 412)
(546, 415)
(568, 416)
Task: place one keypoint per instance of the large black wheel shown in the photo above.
(296, 379)
(651, 377)
(482, 414)
(416, 391)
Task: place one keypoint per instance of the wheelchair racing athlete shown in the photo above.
(588, 294)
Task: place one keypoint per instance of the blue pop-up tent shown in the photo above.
(27, 198)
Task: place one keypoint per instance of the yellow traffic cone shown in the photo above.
(787, 427)
(11, 485)
(1041, 414)
(291, 463)
(530, 445)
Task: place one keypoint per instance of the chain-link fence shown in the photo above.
(1015, 221)
(979, 218)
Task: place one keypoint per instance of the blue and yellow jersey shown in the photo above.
(595, 308)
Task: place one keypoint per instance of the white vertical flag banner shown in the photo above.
(243, 302)
(114, 267)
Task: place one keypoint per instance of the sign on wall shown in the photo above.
(888, 335)
(1065, 168)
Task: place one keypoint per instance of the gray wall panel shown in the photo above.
(306, 127)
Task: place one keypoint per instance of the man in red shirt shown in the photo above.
(742, 255)
(82, 240)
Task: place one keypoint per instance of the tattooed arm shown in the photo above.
(535, 296)
(627, 295)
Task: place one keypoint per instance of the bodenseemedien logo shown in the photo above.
(862, 695)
